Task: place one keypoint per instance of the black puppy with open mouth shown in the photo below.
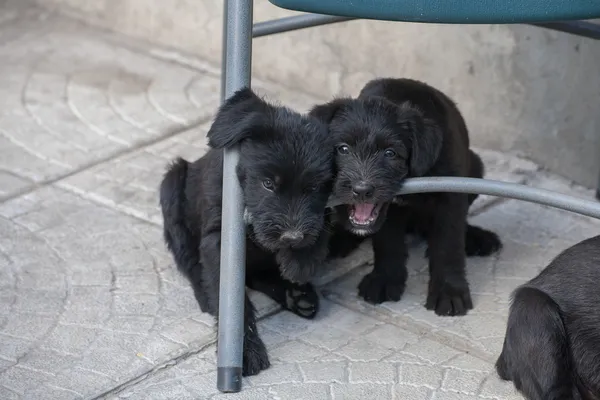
(286, 171)
(395, 129)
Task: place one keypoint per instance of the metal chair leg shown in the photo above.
(238, 56)
(224, 52)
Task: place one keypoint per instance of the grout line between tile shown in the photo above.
(143, 144)
(166, 365)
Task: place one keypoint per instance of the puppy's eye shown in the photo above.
(268, 184)
(389, 153)
(313, 188)
(343, 149)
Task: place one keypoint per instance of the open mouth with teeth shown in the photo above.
(363, 214)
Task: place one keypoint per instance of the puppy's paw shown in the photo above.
(449, 299)
(302, 300)
(376, 288)
(255, 357)
(480, 242)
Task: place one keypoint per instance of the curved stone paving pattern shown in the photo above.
(88, 298)
(336, 358)
(90, 303)
(70, 99)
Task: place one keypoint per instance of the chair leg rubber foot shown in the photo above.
(229, 379)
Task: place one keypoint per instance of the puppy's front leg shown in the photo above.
(448, 292)
(255, 357)
(301, 299)
(387, 281)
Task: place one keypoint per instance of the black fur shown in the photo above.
(395, 129)
(552, 346)
(286, 172)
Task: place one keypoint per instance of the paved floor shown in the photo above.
(90, 303)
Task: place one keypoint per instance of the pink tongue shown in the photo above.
(362, 212)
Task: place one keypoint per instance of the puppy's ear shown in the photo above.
(326, 112)
(237, 119)
(427, 139)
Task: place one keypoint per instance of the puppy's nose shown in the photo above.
(363, 190)
(292, 237)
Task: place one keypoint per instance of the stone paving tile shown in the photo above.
(373, 361)
(532, 236)
(15, 9)
(502, 167)
(61, 331)
(69, 97)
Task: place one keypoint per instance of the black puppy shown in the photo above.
(286, 173)
(552, 345)
(395, 129)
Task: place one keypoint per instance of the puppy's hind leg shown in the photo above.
(536, 354)
(478, 241)
(302, 300)
(180, 240)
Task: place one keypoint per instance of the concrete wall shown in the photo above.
(522, 89)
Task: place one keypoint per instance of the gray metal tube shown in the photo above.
(233, 233)
(501, 189)
(224, 52)
(294, 23)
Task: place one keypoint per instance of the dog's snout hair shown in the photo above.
(292, 237)
(305, 216)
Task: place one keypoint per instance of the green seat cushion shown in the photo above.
(452, 11)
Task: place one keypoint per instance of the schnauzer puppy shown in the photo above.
(285, 169)
(552, 346)
(396, 129)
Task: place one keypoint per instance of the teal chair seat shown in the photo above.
(452, 11)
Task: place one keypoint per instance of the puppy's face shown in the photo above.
(378, 144)
(285, 169)
(286, 182)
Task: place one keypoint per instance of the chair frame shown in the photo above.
(238, 32)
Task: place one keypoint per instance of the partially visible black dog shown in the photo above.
(286, 171)
(552, 346)
(395, 129)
